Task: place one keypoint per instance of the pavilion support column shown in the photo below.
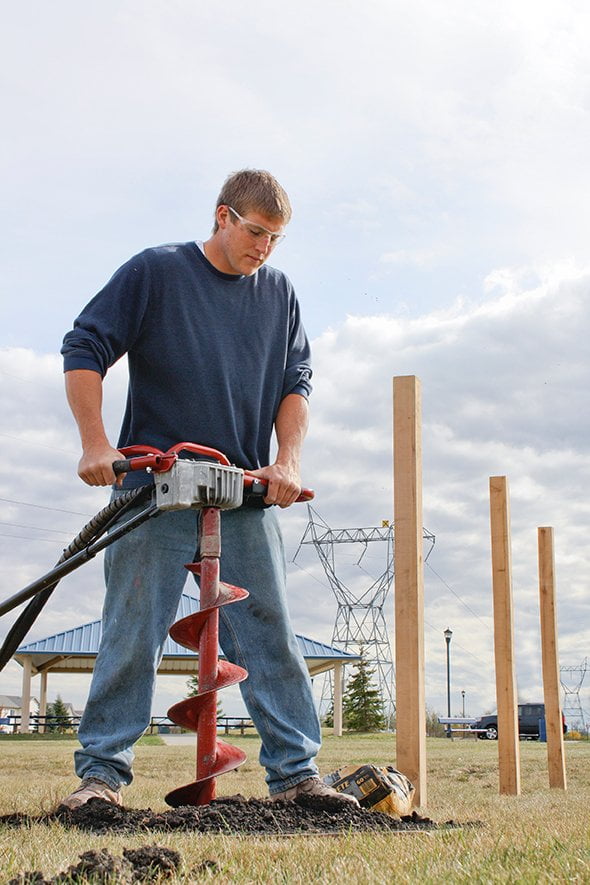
(43, 701)
(26, 694)
(338, 674)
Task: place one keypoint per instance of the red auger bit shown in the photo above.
(210, 486)
(200, 632)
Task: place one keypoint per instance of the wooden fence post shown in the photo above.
(409, 583)
(506, 698)
(553, 721)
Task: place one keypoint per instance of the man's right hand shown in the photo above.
(96, 466)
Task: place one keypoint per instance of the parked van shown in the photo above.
(528, 723)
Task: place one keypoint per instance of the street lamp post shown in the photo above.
(447, 634)
(463, 699)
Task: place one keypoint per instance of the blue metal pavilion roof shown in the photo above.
(82, 643)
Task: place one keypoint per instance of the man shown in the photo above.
(217, 355)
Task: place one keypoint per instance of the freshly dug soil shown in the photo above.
(144, 864)
(233, 815)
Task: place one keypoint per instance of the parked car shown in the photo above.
(528, 723)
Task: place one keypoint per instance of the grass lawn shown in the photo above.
(541, 836)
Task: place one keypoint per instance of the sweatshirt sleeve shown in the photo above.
(298, 369)
(111, 322)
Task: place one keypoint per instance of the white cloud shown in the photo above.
(490, 406)
(487, 411)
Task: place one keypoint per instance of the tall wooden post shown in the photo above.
(409, 583)
(508, 747)
(553, 722)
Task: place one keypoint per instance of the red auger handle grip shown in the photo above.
(123, 466)
(159, 463)
(258, 486)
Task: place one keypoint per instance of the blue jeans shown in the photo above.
(145, 576)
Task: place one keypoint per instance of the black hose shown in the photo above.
(97, 526)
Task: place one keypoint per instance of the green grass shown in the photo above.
(27, 738)
(56, 736)
(541, 836)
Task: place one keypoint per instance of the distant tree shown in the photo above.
(363, 707)
(59, 714)
(193, 686)
(328, 718)
(433, 727)
(193, 690)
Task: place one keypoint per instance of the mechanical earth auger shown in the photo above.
(210, 485)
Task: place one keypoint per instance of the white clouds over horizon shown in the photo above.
(505, 391)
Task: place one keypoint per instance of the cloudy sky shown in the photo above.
(436, 157)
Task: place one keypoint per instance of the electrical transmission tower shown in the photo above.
(360, 624)
(571, 679)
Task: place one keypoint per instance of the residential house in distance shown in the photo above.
(11, 710)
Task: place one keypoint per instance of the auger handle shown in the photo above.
(146, 458)
(257, 486)
(156, 461)
(128, 464)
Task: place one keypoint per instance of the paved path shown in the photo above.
(178, 740)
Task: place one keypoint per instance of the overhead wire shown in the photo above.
(30, 442)
(78, 513)
(34, 381)
(36, 528)
(427, 623)
(456, 595)
(307, 572)
(44, 507)
(24, 538)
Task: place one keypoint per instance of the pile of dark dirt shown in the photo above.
(233, 815)
(146, 864)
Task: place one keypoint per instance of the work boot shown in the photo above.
(314, 787)
(91, 788)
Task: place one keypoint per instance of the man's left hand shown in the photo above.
(284, 484)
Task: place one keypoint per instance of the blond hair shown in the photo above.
(254, 190)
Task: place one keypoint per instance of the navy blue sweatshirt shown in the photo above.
(211, 355)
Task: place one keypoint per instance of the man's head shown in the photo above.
(255, 190)
(250, 217)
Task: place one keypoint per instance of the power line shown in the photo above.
(307, 572)
(36, 528)
(34, 381)
(434, 629)
(43, 507)
(456, 595)
(23, 538)
(456, 644)
(30, 442)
